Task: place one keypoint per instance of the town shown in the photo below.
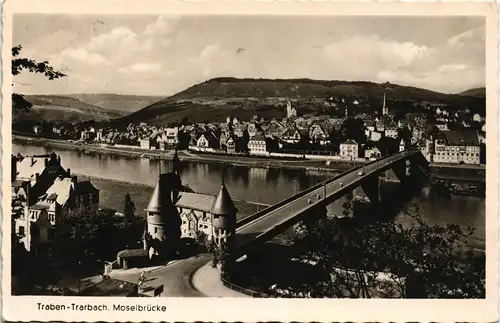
(44, 192)
(147, 161)
(445, 134)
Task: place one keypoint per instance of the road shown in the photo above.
(286, 213)
(175, 277)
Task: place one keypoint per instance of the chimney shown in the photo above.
(69, 171)
(46, 162)
(74, 179)
(37, 176)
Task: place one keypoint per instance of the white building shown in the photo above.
(257, 145)
(402, 145)
(457, 147)
(349, 150)
(391, 131)
(172, 135)
(202, 142)
(145, 143)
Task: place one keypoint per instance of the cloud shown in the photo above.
(476, 34)
(162, 26)
(209, 52)
(370, 52)
(120, 43)
(82, 55)
(117, 37)
(141, 54)
(142, 68)
(450, 68)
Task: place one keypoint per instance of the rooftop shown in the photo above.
(196, 201)
(223, 204)
(456, 137)
(127, 253)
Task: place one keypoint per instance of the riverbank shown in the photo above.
(245, 161)
(443, 171)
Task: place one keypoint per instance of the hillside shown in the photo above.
(63, 108)
(117, 102)
(479, 92)
(218, 98)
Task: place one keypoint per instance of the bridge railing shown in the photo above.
(271, 208)
(243, 290)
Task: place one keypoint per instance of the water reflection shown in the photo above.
(256, 184)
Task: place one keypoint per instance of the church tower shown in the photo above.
(162, 233)
(223, 217)
(385, 109)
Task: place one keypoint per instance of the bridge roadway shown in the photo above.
(268, 224)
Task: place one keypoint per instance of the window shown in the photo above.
(156, 230)
(21, 230)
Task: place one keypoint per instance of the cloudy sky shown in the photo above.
(161, 55)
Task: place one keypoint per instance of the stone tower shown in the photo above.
(162, 233)
(223, 217)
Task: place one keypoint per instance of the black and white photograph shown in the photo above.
(248, 156)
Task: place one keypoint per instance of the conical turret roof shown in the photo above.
(156, 203)
(223, 204)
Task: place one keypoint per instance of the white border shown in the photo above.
(20, 308)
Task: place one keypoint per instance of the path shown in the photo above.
(207, 281)
(175, 277)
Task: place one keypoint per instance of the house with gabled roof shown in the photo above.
(292, 135)
(318, 134)
(65, 195)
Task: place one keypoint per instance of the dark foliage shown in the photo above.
(19, 64)
(385, 260)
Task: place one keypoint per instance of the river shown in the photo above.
(257, 184)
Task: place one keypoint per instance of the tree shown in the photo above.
(201, 239)
(129, 209)
(354, 129)
(385, 259)
(19, 103)
(18, 250)
(225, 259)
(212, 248)
(405, 134)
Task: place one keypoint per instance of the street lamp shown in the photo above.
(294, 187)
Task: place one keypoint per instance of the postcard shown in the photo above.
(249, 161)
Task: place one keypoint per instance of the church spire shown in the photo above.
(385, 109)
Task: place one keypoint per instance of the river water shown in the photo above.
(257, 184)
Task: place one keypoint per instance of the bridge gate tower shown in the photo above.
(223, 217)
(162, 233)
